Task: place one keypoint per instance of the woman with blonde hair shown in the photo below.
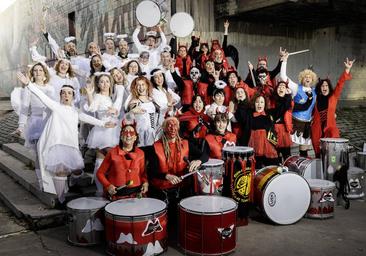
(301, 93)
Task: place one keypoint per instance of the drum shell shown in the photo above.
(275, 200)
(80, 221)
(214, 175)
(333, 154)
(133, 227)
(361, 160)
(356, 180)
(198, 231)
(308, 168)
(320, 206)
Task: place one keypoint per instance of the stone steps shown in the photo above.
(20, 152)
(28, 207)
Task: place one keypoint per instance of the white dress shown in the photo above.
(146, 124)
(34, 114)
(160, 98)
(100, 137)
(59, 145)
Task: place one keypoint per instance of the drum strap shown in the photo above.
(232, 162)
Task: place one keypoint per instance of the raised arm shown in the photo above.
(291, 84)
(163, 38)
(344, 77)
(136, 40)
(91, 120)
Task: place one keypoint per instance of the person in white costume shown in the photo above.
(165, 63)
(133, 70)
(150, 44)
(120, 93)
(163, 96)
(109, 57)
(58, 146)
(101, 104)
(142, 108)
(33, 113)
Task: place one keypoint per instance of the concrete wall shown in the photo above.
(328, 46)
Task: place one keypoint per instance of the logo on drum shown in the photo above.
(272, 199)
(242, 185)
(354, 183)
(326, 197)
(152, 226)
(226, 232)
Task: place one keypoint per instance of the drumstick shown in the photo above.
(302, 51)
(188, 174)
(196, 171)
(128, 183)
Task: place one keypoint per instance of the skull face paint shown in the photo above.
(171, 128)
(195, 74)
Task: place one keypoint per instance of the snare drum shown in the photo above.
(213, 175)
(308, 168)
(136, 227)
(207, 225)
(86, 220)
(284, 197)
(334, 153)
(239, 173)
(322, 199)
(356, 180)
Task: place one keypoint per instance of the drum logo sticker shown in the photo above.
(354, 183)
(333, 159)
(226, 232)
(93, 225)
(242, 185)
(326, 197)
(152, 226)
(272, 199)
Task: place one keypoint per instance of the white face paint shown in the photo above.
(262, 78)
(195, 74)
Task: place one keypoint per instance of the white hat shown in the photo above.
(69, 39)
(102, 73)
(151, 33)
(122, 36)
(109, 36)
(219, 84)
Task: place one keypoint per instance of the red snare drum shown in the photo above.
(308, 168)
(322, 200)
(136, 227)
(283, 197)
(207, 225)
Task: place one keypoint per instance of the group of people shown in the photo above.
(155, 115)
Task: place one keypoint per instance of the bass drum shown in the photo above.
(283, 196)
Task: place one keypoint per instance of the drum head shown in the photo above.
(208, 204)
(181, 24)
(87, 203)
(237, 149)
(134, 207)
(335, 140)
(213, 162)
(286, 198)
(321, 184)
(148, 13)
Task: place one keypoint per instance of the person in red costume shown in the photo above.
(194, 122)
(261, 123)
(173, 158)
(183, 61)
(324, 119)
(221, 137)
(124, 166)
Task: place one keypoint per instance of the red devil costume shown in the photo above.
(324, 123)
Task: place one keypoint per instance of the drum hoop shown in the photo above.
(86, 210)
(209, 213)
(227, 150)
(334, 140)
(137, 217)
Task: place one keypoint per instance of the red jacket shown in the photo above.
(179, 65)
(117, 170)
(216, 143)
(189, 91)
(175, 165)
(192, 118)
(331, 130)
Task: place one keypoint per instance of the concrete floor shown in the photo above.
(343, 235)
